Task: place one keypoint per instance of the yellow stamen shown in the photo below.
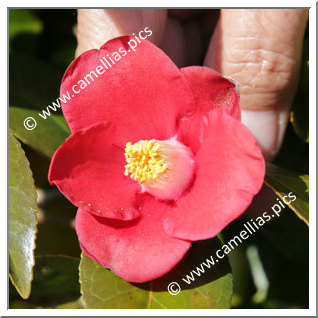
(143, 160)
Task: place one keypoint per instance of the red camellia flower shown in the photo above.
(157, 157)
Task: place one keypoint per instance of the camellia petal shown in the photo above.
(229, 171)
(129, 109)
(138, 250)
(89, 170)
(142, 90)
(211, 91)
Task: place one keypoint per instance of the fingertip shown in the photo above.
(268, 127)
(97, 26)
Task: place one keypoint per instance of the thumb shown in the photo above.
(261, 50)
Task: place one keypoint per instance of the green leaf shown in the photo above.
(33, 86)
(55, 281)
(23, 21)
(103, 289)
(283, 181)
(46, 137)
(22, 219)
(19, 304)
(77, 304)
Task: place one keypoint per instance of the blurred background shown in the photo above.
(270, 270)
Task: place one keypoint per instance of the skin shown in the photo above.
(260, 49)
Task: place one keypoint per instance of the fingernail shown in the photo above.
(268, 127)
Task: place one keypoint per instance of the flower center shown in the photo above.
(144, 161)
(164, 168)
